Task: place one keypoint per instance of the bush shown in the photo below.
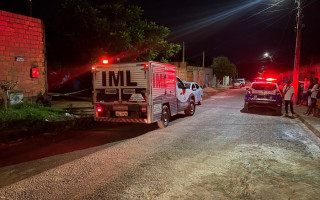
(31, 112)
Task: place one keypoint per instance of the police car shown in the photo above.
(263, 94)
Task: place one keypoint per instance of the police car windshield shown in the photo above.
(264, 86)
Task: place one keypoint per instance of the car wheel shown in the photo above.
(246, 107)
(278, 111)
(191, 109)
(165, 117)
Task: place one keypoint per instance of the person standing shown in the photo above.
(306, 84)
(288, 92)
(314, 93)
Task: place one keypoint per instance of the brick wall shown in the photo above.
(22, 36)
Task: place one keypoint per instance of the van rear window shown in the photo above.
(264, 86)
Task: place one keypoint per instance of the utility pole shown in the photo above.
(30, 8)
(203, 55)
(297, 52)
(183, 51)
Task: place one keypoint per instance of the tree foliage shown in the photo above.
(84, 31)
(223, 67)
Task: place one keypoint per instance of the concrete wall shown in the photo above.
(22, 36)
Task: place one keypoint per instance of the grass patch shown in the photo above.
(31, 112)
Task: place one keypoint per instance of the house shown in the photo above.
(202, 75)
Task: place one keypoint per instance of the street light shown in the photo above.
(267, 55)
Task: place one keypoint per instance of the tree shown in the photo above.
(83, 32)
(223, 67)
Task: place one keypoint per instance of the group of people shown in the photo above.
(309, 95)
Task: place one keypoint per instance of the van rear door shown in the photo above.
(126, 83)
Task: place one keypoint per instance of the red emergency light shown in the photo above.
(104, 61)
(93, 68)
(35, 72)
(271, 79)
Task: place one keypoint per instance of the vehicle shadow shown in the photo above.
(261, 111)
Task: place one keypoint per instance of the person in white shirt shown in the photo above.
(288, 92)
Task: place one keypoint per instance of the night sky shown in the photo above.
(242, 30)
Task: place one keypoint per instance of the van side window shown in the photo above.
(197, 86)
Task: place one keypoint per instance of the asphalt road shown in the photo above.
(219, 153)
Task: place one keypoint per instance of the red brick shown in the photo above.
(3, 23)
(31, 24)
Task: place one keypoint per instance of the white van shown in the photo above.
(139, 92)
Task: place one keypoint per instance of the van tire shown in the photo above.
(165, 117)
(191, 109)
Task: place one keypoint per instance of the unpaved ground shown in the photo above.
(220, 153)
(246, 172)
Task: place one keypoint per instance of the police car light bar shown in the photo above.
(271, 79)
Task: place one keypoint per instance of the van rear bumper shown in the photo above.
(121, 120)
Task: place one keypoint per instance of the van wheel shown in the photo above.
(191, 109)
(165, 117)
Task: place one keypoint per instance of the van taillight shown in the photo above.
(99, 109)
(143, 108)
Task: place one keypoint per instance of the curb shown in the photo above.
(305, 122)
